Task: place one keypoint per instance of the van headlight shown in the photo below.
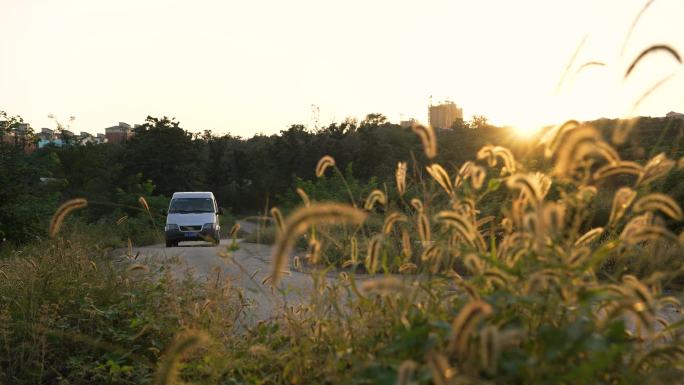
(209, 226)
(171, 227)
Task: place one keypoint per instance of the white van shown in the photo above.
(193, 216)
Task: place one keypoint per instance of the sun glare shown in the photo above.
(525, 131)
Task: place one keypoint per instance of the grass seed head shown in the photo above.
(314, 254)
(428, 138)
(423, 228)
(303, 195)
(323, 163)
(656, 167)
(278, 219)
(464, 325)
(400, 176)
(297, 223)
(354, 245)
(376, 196)
(528, 185)
(390, 220)
(440, 175)
(406, 248)
(168, 369)
(589, 236)
(417, 204)
(622, 167)
(234, 230)
(575, 145)
(62, 212)
(659, 202)
(621, 202)
(143, 203)
(373, 254)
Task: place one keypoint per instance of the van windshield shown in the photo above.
(191, 205)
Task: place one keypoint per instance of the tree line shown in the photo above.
(246, 174)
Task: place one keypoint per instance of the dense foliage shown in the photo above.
(548, 264)
(246, 175)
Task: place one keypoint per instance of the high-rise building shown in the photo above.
(444, 115)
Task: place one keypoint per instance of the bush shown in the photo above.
(532, 289)
(70, 314)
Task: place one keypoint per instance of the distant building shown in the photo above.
(119, 133)
(20, 135)
(444, 115)
(46, 134)
(85, 138)
(100, 138)
(54, 142)
(408, 123)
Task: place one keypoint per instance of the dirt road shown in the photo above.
(246, 268)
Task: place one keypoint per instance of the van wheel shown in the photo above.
(171, 244)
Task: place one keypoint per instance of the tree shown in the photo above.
(167, 154)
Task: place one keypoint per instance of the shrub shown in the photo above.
(72, 314)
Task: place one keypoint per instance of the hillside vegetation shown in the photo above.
(549, 262)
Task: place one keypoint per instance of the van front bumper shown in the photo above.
(175, 235)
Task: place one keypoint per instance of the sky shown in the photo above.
(250, 67)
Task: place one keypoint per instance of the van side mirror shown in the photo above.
(163, 211)
(220, 211)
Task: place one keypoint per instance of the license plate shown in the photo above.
(191, 235)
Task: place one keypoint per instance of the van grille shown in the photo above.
(191, 228)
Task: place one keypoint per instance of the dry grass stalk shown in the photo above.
(659, 202)
(304, 196)
(405, 372)
(648, 233)
(354, 250)
(121, 220)
(442, 177)
(427, 137)
(528, 185)
(323, 164)
(234, 230)
(490, 348)
(464, 228)
(62, 212)
(143, 203)
(574, 146)
(406, 248)
(553, 136)
(297, 223)
(314, 254)
(373, 254)
(137, 267)
(491, 153)
(408, 267)
(400, 176)
(278, 219)
(477, 176)
(622, 167)
(656, 167)
(623, 199)
(463, 327)
(376, 196)
(442, 371)
(423, 228)
(589, 236)
(182, 344)
(390, 220)
(384, 285)
(417, 204)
